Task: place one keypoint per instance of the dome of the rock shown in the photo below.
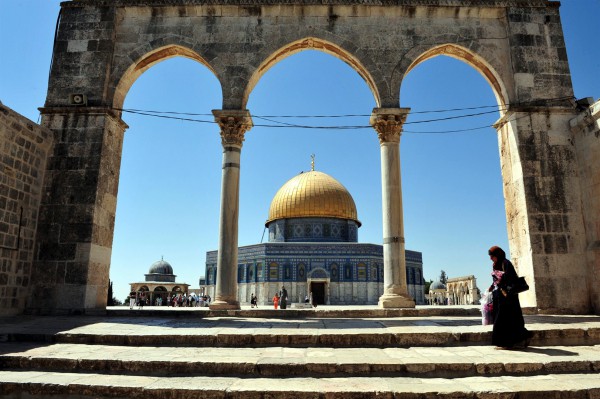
(313, 194)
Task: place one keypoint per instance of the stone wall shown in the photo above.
(77, 213)
(24, 148)
(586, 132)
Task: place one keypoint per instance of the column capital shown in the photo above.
(234, 124)
(388, 123)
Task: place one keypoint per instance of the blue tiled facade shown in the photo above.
(292, 263)
(313, 230)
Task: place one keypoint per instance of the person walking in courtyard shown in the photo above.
(253, 302)
(132, 299)
(509, 330)
(142, 300)
(313, 301)
(283, 298)
(276, 300)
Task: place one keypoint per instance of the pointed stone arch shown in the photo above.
(471, 58)
(148, 60)
(311, 43)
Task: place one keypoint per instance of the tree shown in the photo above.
(443, 277)
(427, 285)
(110, 298)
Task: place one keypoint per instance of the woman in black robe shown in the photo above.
(509, 326)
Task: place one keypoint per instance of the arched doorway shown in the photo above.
(318, 285)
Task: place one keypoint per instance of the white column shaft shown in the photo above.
(226, 284)
(394, 262)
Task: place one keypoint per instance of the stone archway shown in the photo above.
(102, 45)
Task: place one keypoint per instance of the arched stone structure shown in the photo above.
(103, 45)
(463, 290)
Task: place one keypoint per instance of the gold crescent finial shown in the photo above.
(312, 162)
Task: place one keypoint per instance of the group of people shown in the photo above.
(280, 299)
(177, 300)
(192, 300)
(137, 300)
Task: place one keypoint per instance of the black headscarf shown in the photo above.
(500, 256)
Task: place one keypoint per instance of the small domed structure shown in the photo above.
(161, 267)
(437, 293)
(159, 286)
(161, 271)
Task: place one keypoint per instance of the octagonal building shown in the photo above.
(313, 247)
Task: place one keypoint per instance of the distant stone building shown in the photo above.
(313, 248)
(463, 291)
(159, 282)
(437, 293)
(456, 291)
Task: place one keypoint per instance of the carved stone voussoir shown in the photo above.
(388, 123)
(233, 124)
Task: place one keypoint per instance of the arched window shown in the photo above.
(241, 274)
(301, 272)
(362, 271)
(259, 271)
(334, 272)
(273, 271)
(374, 272)
(250, 273)
(348, 272)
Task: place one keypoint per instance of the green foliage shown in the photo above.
(427, 285)
(443, 277)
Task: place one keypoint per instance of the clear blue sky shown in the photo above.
(168, 202)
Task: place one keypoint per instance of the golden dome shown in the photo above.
(312, 194)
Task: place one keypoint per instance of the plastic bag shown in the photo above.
(487, 309)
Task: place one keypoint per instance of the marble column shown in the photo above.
(234, 124)
(388, 124)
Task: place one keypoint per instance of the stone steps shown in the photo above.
(453, 362)
(36, 384)
(343, 357)
(311, 332)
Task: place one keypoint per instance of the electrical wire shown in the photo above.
(279, 124)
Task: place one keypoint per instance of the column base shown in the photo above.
(222, 305)
(395, 301)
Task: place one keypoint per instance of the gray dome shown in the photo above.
(161, 267)
(437, 285)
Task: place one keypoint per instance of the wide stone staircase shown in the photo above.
(301, 354)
